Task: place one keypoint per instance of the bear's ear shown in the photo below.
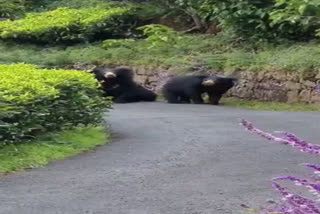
(109, 75)
(209, 82)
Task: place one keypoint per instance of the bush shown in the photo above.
(35, 101)
(68, 25)
(11, 8)
(159, 35)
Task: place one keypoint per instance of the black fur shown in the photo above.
(184, 89)
(118, 83)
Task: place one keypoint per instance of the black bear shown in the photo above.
(183, 89)
(118, 83)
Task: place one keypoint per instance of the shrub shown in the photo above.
(68, 25)
(34, 101)
(11, 8)
(159, 35)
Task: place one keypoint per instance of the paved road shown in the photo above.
(166, 159)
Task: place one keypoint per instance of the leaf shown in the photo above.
(302, 9)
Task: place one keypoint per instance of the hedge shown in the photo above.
(67, 25)
(35, 101)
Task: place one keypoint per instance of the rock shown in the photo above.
(260, 76)
(292, 85)
(292, 77)
(293, 96)
(305, 95)
(281, 76)
(141, 79)
(244, 90)
(140, 71)
(307, 76)
(248, 75)
(309, 84)
(277, 95)
(315, 97)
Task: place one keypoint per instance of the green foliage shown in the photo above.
(246, 18)
(159, 35)
(116, 43)
(51, 147)
(252, 19)
(305, 15)
(11, 8)
(35, 101)
(220, 52)
(217, 52)
(54, 4)
(66, 25)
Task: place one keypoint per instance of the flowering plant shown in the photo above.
(292, 203)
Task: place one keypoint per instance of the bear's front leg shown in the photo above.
(214, 99)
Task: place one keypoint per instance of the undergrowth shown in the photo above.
(217, 52)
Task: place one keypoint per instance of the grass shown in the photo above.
(262, 105)
(267, 105)
(218, 52)
(40, 152)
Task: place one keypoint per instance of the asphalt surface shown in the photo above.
(166, 159)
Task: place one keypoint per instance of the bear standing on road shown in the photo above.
(184, 89)
(118, 83)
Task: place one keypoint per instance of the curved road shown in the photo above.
(166, 159)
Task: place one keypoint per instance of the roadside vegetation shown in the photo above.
(38, 102)
(269, 106)
(218, 52)
(53, 146)
(39, 36)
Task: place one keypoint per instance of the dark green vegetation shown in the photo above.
(251, 19)
(54, 146)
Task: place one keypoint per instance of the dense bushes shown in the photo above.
(11, 8)
(33, 101)
(258, 19)
(69, 25)
(271, 19)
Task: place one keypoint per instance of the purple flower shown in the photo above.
(317, 88)
(292, 203)
(313, 166)
(303, 182)
(296, 203)
(284, 138)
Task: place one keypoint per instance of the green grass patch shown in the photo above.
(45, 149)
(266, 105)
(261, 105)
(218, 52)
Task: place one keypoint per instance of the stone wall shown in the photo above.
(267, 86)
(279, 86)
